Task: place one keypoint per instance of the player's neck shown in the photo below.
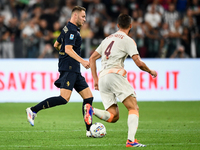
(124, 30)
(73, 22)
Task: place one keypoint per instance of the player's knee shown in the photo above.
(66, 97)
(115, 119)
(88, 100)
(64, 101)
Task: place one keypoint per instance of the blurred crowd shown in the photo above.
(161, 28)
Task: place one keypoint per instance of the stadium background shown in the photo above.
(166, 33)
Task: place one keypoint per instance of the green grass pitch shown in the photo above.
(162, 126)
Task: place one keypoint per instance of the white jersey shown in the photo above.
(114, 50)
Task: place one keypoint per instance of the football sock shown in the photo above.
(85, 101)
(133, 118)
(49, 102)
(103, 115)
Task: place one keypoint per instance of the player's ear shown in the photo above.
(118, 26)
(130, 26)
(75, 15)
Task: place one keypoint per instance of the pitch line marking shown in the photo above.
(110, 130)
(95, 145)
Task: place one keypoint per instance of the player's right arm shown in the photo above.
(93, 67)
(57, 45)
(143, 66)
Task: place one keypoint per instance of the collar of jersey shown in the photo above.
(73, 26)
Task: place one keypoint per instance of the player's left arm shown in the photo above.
(136, 58)
(93, 67)
(57, 45)
(69, 50)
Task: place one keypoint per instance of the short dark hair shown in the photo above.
(124, 21)
(78, 8)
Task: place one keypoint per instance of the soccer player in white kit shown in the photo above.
(112, 82)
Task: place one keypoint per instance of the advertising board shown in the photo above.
(31, 80)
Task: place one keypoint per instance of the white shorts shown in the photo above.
(113, 86)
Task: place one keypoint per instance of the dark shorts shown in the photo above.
(70, 80)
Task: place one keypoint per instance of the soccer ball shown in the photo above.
(98, 130)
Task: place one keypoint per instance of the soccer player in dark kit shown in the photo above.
(68, 44)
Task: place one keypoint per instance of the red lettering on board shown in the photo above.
(39, 80)
(131, 76)
(153, 81)
(11, 81)
(32, 81)
(23, 81)
(43, 74)
(142, 80)
(175, 73)
(52, 80)
(167, 80)
(2, 85)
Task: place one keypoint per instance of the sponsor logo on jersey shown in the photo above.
(71, 37)
(65, 29)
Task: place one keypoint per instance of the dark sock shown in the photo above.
(85, 101)
(48, 103)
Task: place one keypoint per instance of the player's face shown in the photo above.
(81, 18)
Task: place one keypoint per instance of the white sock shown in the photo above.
(132, 126)
(103, 114)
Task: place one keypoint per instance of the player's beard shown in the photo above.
(78, 23)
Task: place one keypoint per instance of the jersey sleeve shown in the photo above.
(59, 39)
(131, 47)
(70, 38)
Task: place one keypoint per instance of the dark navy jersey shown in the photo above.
(70, 35)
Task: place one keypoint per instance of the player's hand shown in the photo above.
(86, 64)
(153, 73)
